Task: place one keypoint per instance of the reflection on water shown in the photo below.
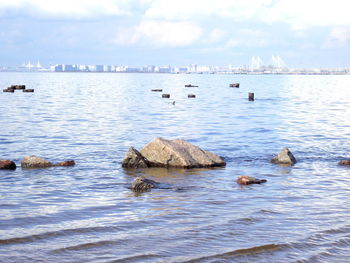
(88, 213)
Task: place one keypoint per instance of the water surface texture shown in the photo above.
(87, 213)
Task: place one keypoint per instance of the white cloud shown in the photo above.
(67, 8)
(160, 33)
(248, 38)
(301, 14)
(338, 37)
(216, 35)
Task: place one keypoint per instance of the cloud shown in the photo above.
(338, 37)
(301, 14)
(78, 9)
(248, 38)
(216, 35)
(160, 33)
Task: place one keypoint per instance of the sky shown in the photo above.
(304, 33)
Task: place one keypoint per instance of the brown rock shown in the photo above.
(141, 184)
(344, 162)
(28, 90)
(245, 180)
(134, 159)
(32, 162)
(284, 157)
(65, 163)
(9, 89)
(35, 162)
(7, 165)
(178, 153)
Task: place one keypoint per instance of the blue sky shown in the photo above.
(305, 33)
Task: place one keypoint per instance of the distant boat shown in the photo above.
(190, 86)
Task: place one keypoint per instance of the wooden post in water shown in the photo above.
(251, 96)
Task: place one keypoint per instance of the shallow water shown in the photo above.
(87, 213)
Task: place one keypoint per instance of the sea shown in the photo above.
(88, 213)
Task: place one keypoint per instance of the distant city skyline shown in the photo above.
(306, 34)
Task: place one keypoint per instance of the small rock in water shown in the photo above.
(234, 85)
(285, 156)
(344, 162)
(245, 180)
(134, 159)
(141, 184)
(65, 163)
(7, 165)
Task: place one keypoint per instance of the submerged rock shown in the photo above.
(7, 165)
(141, 184)
(344, 162)
(285, 156)
(245, 180)
(65, 163)
(134, 159)
(33, 161)
(179, 154)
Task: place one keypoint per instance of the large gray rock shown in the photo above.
(141, 184)
(33, 161)
(134, 159)
(178, 153)
(285, 156)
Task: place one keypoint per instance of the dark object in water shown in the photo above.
(65, 163)
(285, 157)
(141, 184)
(190, 86)
(251, 96)
(18, 87)
(166, 96)
(191, 95)
(157, 90)
(234, 85)
(9, 89)
(28, 90)
(245, 180)
(7, 165)
(344, 162)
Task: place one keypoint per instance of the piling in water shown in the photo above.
(251, 96)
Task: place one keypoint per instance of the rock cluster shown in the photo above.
(12, 88)
(31, 162)
(171, 153)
